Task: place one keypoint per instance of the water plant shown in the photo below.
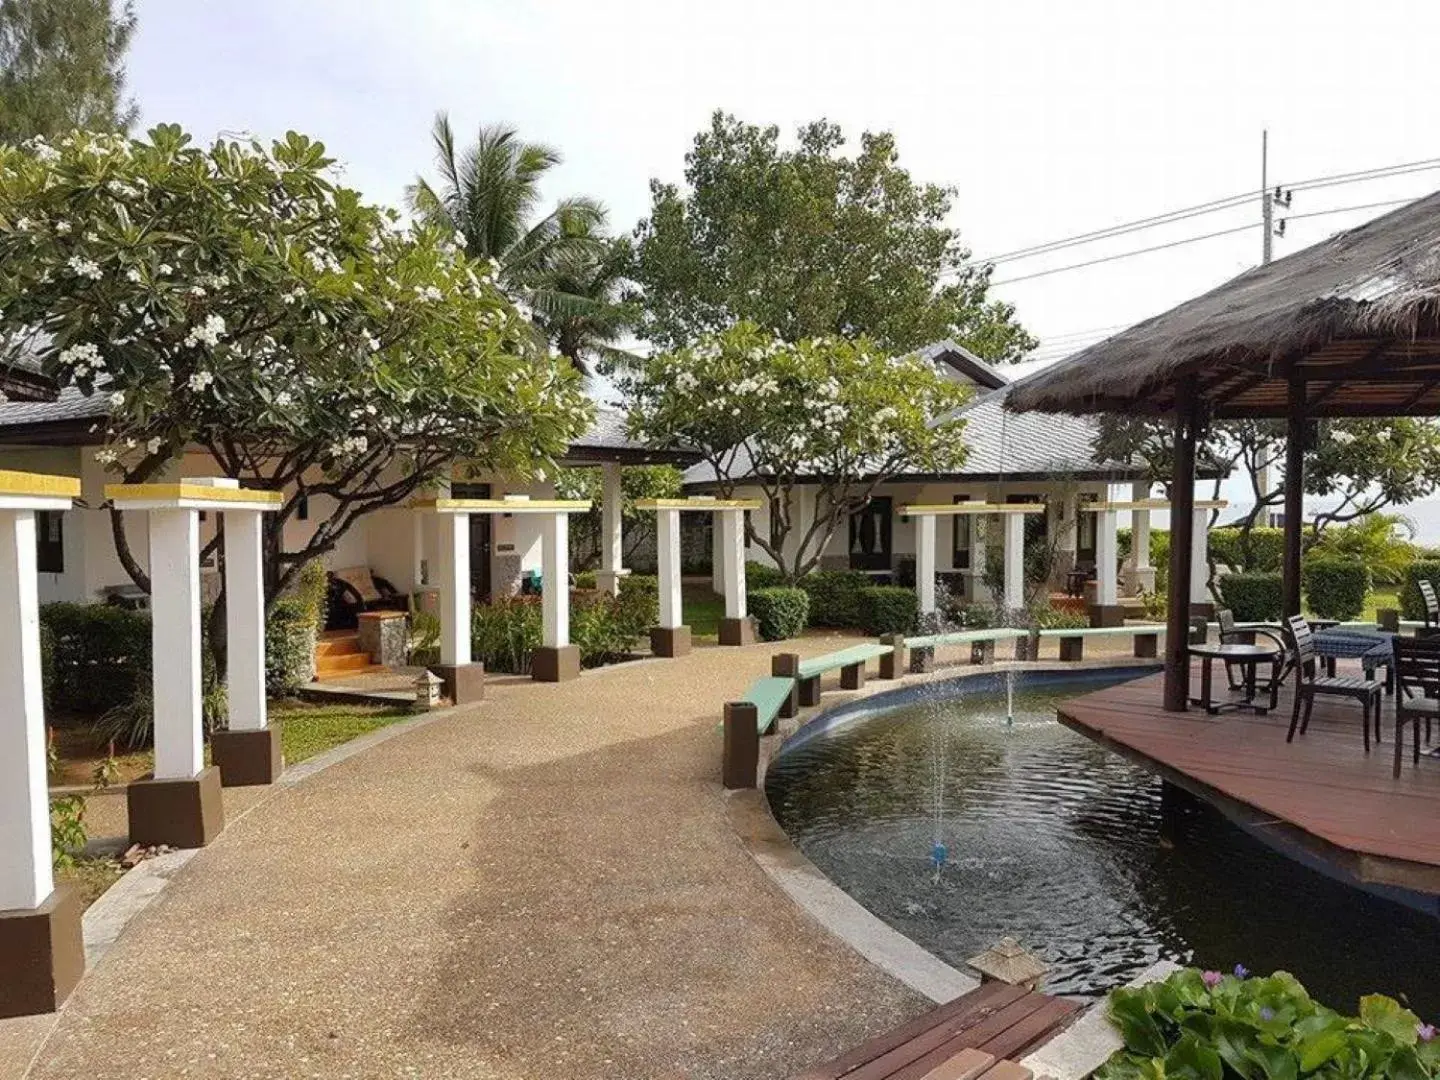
(1205, 1025)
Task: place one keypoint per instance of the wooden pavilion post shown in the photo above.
(1182, 529)
(1295, 417)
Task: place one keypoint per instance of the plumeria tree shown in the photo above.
(832, 413)
(234, 299)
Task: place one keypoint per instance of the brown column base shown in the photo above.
(463, 684)
(1107, 615)
(179, 813)
(42, 954)
(555, 664)
(742, 745)
(247, 757)
(787, 666)
(1072, 648)
(670, 640)
(737, 631)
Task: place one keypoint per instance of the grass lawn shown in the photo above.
(1387, 597)
(91, 877)
(701, 609)
(307, 730)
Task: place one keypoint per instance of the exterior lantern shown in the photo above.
(427, 691)
(1010, 962)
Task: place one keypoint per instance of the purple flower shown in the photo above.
(1425, 1031)
(1212, 979)
(1241, 971)
(1267, 1013)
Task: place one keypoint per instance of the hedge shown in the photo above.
(1267, 549)
(888, 609)
(780, 612)
(289, 645)
(1336, 588)
(94, 656)
(835, 596)
(1411, 606)
(760, 575)
(1252, 597)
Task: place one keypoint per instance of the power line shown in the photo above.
(1214, 206)
(1193, 240)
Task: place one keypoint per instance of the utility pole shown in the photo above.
(1267, 205)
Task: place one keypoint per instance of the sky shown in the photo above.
(1048, 118)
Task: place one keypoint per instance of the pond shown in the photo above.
(1076, 852)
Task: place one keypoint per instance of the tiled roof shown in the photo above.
(70, 405)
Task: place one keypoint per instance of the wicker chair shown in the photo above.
(1417, 694)
(1310, 683)
(357, 589)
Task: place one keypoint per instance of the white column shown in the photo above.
(1199, 553)
(454, 589)
(1140, 528)
(732, 559)
(925, 562)
(1014, 561)
(25, 875)
(611, 527)
(667, 529)
(717, 558)
(555, 571)
(244, 621)
(175, 639)
(1106, 569)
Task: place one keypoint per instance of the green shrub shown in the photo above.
(760, 575)
(959, 614)
(586, 580)
(504, 634)
(888, 609)
(835, 597)
(97, 655)
(781, 612)
(1411, 606)
(637, 608)
(1266, 549)
(1253, 597)
(1045, 617)
(312, 589)
(290, 630)
(1209, 1026)
(1336, 588)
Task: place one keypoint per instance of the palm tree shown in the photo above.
(579, 307)
(489, 194)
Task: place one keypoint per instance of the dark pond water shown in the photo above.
(1074, 851)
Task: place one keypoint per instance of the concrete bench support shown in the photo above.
(788, 665)
(1072, 648)
(893, 662)
(922, 660)
(742, 745)
(852, 677)
(982, 652)
(1147, 646)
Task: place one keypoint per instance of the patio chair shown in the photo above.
(1230, 634)
(1417, 694)
(356, 589)
(1310, 683)
(1432, 608)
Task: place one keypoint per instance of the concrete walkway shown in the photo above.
(543, 885)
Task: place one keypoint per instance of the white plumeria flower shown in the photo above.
(63, 228)
(208, 333)
(86, 268)
(117, 399)
(283, 398)
(200, 380)
(133, 275)
(164, 269)
(153, 446)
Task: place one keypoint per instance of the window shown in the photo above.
(960, 548)
(870, 535)
(50, 541)
(1086, 530)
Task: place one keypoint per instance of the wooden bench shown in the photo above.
(922, 648)
(1072, 641)
(749, 718)
(850, 663)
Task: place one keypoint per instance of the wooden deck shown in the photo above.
(978, 1035)
(1321, 792)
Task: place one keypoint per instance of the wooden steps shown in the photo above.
(978, 1036)
(338, 656)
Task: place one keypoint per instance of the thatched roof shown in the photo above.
(1357, 317)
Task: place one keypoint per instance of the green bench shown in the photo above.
(1072, 641)
(749, 718)
(922, 648)
(849, 662)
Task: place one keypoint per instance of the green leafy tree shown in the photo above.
(807, 243)
(62, 67)
(770, 413)
(488, 195)
(235, 299)
(590, 319)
